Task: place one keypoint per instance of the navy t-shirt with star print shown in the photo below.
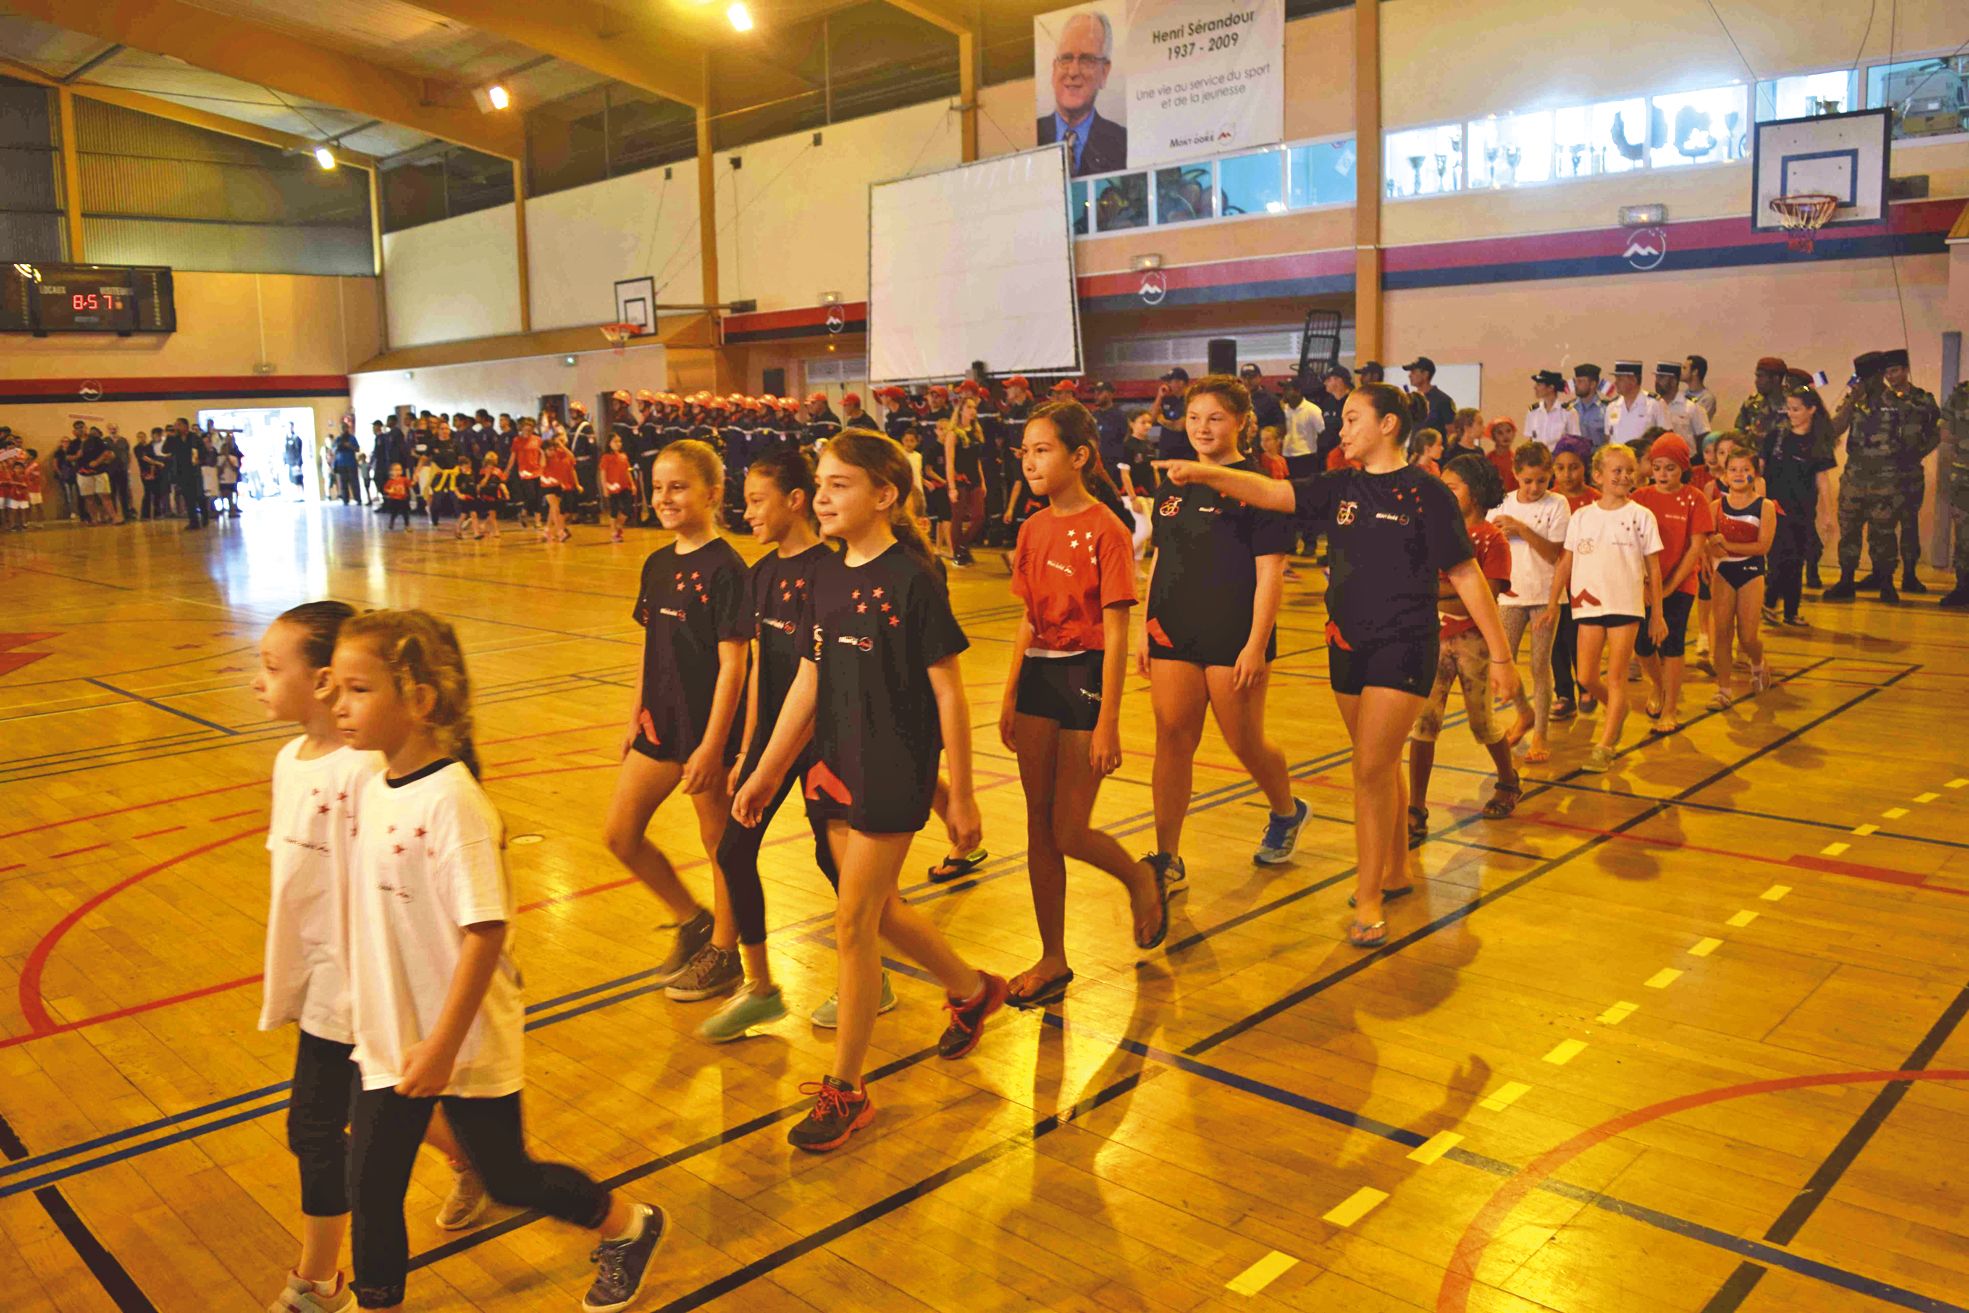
(1388, 538)
(874, 630)
(778, 597)
(687, 605)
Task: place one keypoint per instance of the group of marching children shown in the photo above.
(830, 668)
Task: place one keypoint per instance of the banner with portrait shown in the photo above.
(1134, 83)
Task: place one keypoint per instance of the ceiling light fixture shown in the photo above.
(498, 96)
(324, 157)
(740, 16)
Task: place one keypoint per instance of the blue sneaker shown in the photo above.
(1281, 836)
(621, 1266)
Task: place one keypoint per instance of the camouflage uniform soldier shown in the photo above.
(1870, 486)
(1920, 416)
(1762, 414)
(1956, 415)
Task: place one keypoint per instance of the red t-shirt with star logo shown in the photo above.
(1068, 569)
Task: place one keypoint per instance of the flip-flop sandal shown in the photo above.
(1669, 726)
(956, 868)
(1503, 801)
(1654, 710)
(1534, 756)
(1367, 936)
(1418, 825)
(1388, 895)
(1047, 993)
(1562, 709)
(1154, 941)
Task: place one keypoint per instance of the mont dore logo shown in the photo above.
(1646, 248)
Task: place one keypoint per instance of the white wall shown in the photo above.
(793, 222)
(454, 279)
(579, 242)
(513, 386)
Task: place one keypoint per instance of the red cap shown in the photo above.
(818, 396)
(1670, 446)
(1066, 385)
(852, 400)
(970, 387)
(1018, 381)
(939, 390)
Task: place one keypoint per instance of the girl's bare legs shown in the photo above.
(1378, 721)
(1620, 654)
(640, 788)
(1240, 715)
(1178, 692)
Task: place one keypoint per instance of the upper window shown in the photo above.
(1928, 97)
(1808, 94)
(1424, 161)
(1323, 174)
(1697, 127)
(1610, 137)
(1252, 184)
(1513, 149)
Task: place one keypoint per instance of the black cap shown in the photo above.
(1373, 367)
(1421, 362)
(1672, 370)
(1586, 371)
(1550, 378)
(1631, 368)
(1250, 370)
(1104, 387)
(1867, 364)
(1177, 375)
(1894, 359)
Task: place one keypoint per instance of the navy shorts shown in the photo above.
(1063, 689)
(1407, 665)
(1675, 610)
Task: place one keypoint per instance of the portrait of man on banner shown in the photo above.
(1078, 60)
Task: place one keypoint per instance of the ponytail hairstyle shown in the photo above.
(418, 648)
(1078, 432)
(791, 469)
(1385, 399)
(1480, 476)
(1231, 392)
(882, 459)
(320, 624)
(703, 460)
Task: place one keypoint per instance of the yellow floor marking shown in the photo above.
(1956, 783)
(1435, 1147)
(1926, 797)
(1834, 849)
(1504, 1096)
(1864, 830)
(1262, 1273)
(1663, 978)
(1742, 919)
(1565, 1051)
(1355, 1206)
(1704, 947)
(1894, 813)
(1775, 892)
(1618, 1013)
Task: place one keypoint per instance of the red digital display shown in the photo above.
(98, 301)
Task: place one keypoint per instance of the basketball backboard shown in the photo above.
(635, 303)
(1840, 155)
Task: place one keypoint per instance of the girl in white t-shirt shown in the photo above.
(1533, 519)
(436, 1011)
(1611, 570)
(317, 784)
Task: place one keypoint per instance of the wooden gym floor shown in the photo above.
(1688, 1036)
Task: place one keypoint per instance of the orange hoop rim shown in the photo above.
(1805, 210)
(620, 332)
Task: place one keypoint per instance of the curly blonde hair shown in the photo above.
(418, 648)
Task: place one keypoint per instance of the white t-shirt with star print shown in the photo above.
(311, 836)
(429, 862)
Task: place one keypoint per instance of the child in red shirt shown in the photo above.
(1271, 455)
(1074, 568)
(525, 464)
(558, 484)
(618, 488)
(1683, 516)
(396, 496)
(1463, 658)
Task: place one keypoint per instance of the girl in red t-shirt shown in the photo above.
(1462, 658)
(524, 466)
(558, 484)
(618, 486)
(1074, 568)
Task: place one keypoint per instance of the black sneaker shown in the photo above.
(1957, 596)
(1796, 622)
(1911, 584)
(621, 1266)
(692, 936)
(967, 1019)
(1842, 591)
(839, 1110)
(1812, 580)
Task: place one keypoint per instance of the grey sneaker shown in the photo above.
(466, 1202)
(621, 1266)
(712, 972)
(692, 936)
(301, 1297)
(746, 1009)
(1281, 835)
(1170, 867)
(827, 1015)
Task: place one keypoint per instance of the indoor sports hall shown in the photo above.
(1311, 656)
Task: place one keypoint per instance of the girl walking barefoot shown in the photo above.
(880, 695)
(1748, 523)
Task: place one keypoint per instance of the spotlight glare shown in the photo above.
(324, 157)
(740, 16)
(498, 96)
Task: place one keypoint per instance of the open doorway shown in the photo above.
(275, 443)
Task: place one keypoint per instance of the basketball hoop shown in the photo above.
(1802, 216)
(618, 335)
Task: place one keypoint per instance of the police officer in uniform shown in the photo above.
(1921, 418)
(1870, 486)
(1956, 415)
(587, 450)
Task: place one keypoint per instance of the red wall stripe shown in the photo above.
(273, 385)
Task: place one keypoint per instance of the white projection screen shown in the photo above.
(973, 263)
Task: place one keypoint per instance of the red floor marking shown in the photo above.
(73, 851)
(1884, 874)
(15, 867)
(152, 834)
(31, 1008)
(1461, 1274)
(233, 816)
(12, 661)
(131, 1011)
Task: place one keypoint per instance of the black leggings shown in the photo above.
(389, 1127)
(1565, 645)
(325, 1082)
(738, 855)
(1789, 551)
